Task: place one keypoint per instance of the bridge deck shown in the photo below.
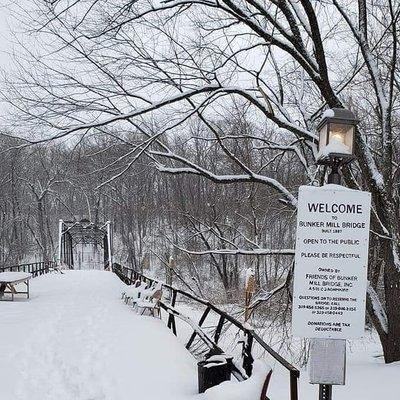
(75, 340)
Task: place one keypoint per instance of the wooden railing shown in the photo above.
(211, 341)
(37, 268)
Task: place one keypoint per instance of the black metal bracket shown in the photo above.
(325, 392)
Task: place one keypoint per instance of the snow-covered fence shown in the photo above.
(37, 268)
(201, 341)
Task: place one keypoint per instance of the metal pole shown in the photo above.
(60, 228)
(334, 176)
(325, 392)
(109, 245)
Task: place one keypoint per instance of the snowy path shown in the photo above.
(75, 340)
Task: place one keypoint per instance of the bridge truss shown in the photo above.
(84, 232)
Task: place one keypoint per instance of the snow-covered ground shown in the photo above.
(76, 340)
(367, 376)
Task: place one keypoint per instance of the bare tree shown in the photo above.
(141, 71)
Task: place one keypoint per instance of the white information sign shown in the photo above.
(330, 276)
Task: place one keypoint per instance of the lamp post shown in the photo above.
(336, 148)
(336, 140)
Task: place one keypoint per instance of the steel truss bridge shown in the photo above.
(84, 232)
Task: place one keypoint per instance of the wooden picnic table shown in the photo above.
(8, 282)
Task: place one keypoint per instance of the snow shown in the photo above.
(367, 376)
(396, 258)
(328, 114)
(249, 275)
(328, 187)
(334, 146)
(11, 276)
(247, 390)
(76, 340)
(216, 360)
(378, 309)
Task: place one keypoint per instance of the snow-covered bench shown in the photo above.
(150, 303)
(130, 289)
(9, 280)
(136, 291)
(143, 297)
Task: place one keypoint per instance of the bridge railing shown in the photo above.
(222, 325)
(37, 268)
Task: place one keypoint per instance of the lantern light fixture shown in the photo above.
(336, 136)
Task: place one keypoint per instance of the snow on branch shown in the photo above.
(265, 296)
(258, 252)
(253, 177)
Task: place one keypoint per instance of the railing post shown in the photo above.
(247, 356)
(293, 385)
(202, 319)
(171, 318)
(219, 328)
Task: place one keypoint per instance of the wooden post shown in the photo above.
(249, 291)
(169, 270)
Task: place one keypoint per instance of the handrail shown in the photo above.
(129, 275)
(37, 268)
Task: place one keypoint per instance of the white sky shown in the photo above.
(7, 43)
(5, 34)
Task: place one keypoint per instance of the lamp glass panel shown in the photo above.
(322, 137)
(341, 138)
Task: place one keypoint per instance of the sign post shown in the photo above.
(109, 245)
(330, 277)
(60, 243)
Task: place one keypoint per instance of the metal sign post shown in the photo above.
(109, 243)
(330, 277)
(60, 233)
(325, 392)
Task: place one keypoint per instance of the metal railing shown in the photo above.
(249, 340)
(37, 268)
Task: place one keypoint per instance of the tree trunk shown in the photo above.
(42, 230)
(391, 341)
